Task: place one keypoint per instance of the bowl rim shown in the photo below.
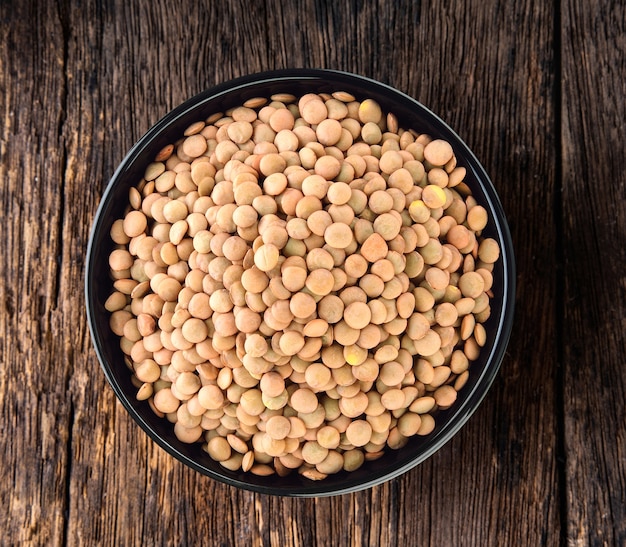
(466, 408)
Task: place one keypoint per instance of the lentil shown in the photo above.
(300, 283)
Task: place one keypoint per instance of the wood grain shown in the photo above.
(537, 93)
(594, 256)
(37, 414)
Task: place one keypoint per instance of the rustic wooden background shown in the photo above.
(537, 89)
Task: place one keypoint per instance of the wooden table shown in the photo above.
(537, 90)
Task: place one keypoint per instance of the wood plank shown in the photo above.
(36, 413)
(594, 255)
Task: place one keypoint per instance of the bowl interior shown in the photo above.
(410, 114)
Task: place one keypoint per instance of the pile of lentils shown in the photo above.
(299, 284)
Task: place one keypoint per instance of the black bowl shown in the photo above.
(411, 114)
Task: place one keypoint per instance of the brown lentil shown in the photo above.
(300, 283)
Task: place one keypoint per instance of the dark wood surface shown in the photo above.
(537, 90)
